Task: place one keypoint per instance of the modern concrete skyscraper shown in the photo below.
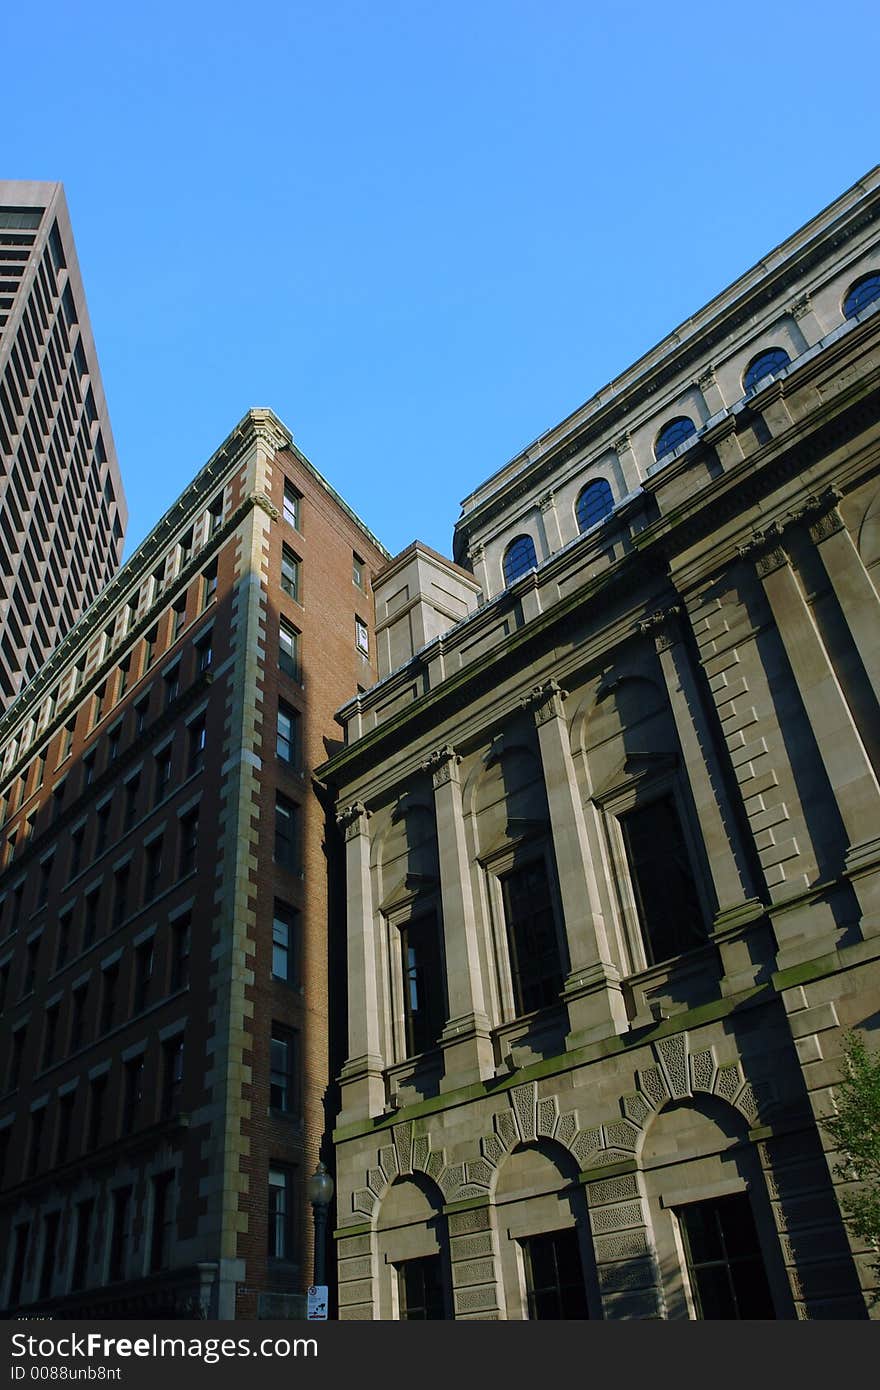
(62, 508)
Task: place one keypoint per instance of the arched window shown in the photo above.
(519, 558)
(594, 503)
(673, 434)
(860, 294)
(765, 364)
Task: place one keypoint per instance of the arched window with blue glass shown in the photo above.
(519, 558)
(767, 363)
(594, 503)
(860, 294)
(673, 434)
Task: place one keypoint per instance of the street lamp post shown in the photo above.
(320, 1194)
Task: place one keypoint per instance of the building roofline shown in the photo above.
(686, 333)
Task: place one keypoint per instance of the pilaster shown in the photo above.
(362, 1081)
(592, 990)
(467, 1046)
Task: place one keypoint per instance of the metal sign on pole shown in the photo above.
(317, 1303)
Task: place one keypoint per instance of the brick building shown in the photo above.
(612, 825)
(164, 901)
(62, 508)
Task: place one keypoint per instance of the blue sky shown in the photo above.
(421, 233)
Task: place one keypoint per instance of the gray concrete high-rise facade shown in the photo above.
(62, 506)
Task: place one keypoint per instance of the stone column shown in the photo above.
(468, 1054)
(858, 599)
(361, 1079)
(846, 763)
(550, 519)
(804, 314)
(737, 904)
(623, 448)
(708, 387)
(592, 990)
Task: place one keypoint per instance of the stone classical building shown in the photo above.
(163, 905)
(62, 508)
(612, 835)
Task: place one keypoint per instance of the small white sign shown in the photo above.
(317, 1303)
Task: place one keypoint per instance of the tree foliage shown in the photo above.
(855, 1129)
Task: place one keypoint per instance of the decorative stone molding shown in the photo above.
(664, 626)
(545, 701)
(765, 548)
(259, 499)
(622, 443)
(820, 514)
(677, 1075)
(706, 380)
(442, 764)
(548, 501)
(352, 820)
(476, 552)
(802, 305)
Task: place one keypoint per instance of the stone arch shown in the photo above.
(408, 1154)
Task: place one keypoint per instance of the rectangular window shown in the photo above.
(98, 708)
(81, 1251)
(285, 935)
(289, 573)
(150, 640)
(102, 827)
(172, 1075)
(113, 743)
(77, 841)
(358, 571)
(291, 505)
(141, 711)
(65, 1127)
(209, 585)
(88, 766)
(15, 1058)
(78, 1002)
(196, 738)
(423, 999)
(663, 884)
(90, 918)
(288, 649)
(132, 1094)
(121, 886)
(38, 1123)
(97, 1100)
(362, 636)
(205, 651)
(554, 1276)
(109, 989)
(132, 788)
(50, 1034)
(281, 1208)
(43, 882)
(180, 945)
(162, 1233)
(121, 1233)
(286, 833)
(62, 946)
(143, 975)
(724, 1262)
(152, 869)
(185, 550)
(420, 1287)
(162, 776)
(31, 959)
(535, 966)
(22, 1239)
(179, 611)
(171, 683)
(215, 515)
(283, 1070)
(67, 740)
(122, 678)
(189, 842)
(287, 734)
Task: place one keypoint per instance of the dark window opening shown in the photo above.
(423, 996)
(420, 1286)
(554, 1276)
(535, 965)
(724, 1261)
(662, 880)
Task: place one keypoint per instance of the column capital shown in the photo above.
(765, 548)
(476, 551)
(802, 305)
(664, 626)
(820, 515)
(622, 443)
(353, 819)
(547, 501)
(545, 701)
(442, 765)
(706, 378)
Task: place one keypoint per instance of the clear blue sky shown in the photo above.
(421, 233)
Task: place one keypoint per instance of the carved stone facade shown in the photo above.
(624, 839)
